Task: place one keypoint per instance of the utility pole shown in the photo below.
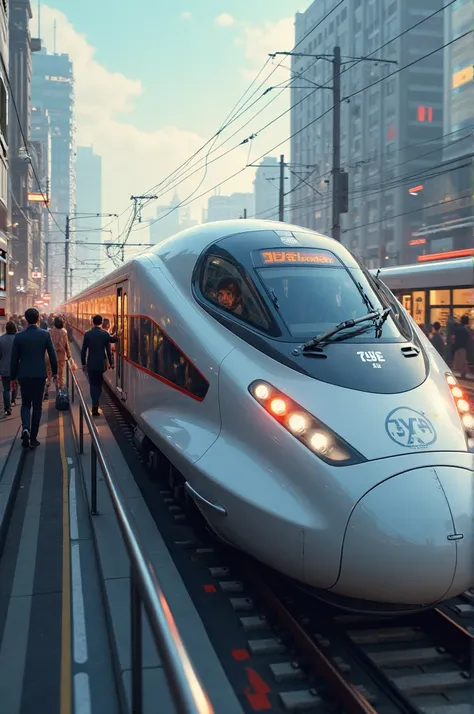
(336, 145)
(46, 265)
(66, 257)
(137, 216)
(340, 179)
(245, 213)
(281, 202)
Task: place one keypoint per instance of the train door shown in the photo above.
(122, 331)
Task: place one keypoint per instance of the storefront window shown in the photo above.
(464, 296)
(440, 297)
(439, 314)
(419, 307)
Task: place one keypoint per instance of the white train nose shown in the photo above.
(399, 544)
(458, 485)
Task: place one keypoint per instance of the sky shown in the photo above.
(156, 80)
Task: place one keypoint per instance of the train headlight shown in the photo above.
(468, 421)
(463, 407)
(305, 427)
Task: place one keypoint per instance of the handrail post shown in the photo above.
(67, 376)
(136, 645)
(72, 388)
(93, 480)
(81, 429)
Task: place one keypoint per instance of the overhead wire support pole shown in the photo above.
(137, 207)
(340, 179)
(281, 202)
(66, 257)
(336, 145)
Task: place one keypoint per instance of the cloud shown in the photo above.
(186, 16)
(260, 41)
(224, 20)
(133, 160)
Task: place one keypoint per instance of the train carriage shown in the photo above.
(312, 422)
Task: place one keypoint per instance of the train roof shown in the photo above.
(195, 240)
(179, 253)
(436, 274)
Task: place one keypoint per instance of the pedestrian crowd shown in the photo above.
(34, 351)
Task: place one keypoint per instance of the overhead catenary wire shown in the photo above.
(401, 34)
(344, 99)
(221, 130)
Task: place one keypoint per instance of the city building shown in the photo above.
(391, 120)
(266, 188)
(4, 198)
(52, 89)
(166, 223)
(448, 218)
(224, 208)
(86, 224)
(41, 221)
(25, 288)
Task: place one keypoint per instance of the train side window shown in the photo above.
(145, 343)
(223, 285)
(135, 339)
(157, 350)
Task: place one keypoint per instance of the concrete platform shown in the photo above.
(11, 456)
(115, 575)
(54, 647)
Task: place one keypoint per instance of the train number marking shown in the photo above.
(409, 428)
(374, 357)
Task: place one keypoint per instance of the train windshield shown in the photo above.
(313, 299)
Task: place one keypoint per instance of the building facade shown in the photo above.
(52, 89)
(448, 198)
(224, 208)
(4, 198)
(266, 187)
(391, 126)
(166, 223)
(26, 289)
(86, 228)
(41, 221)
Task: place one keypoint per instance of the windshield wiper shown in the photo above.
(383, 317)
(377, 316)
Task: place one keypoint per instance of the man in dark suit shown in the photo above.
(29, 367)
(95, 354)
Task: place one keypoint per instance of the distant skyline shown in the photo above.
(155, 81)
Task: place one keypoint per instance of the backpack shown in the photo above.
(62, 400)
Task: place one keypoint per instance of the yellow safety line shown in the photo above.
(65, 683)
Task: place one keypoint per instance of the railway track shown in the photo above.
(301, 655)
(421, 663)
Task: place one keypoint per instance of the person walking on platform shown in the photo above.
(28, 364)
(95, 354)
(9, 387)
(61, 346)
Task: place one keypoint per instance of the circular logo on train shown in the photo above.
(409, 428)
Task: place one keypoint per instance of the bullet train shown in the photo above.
(311, 421)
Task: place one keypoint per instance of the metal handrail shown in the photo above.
(186, 690)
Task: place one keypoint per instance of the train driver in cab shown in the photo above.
(229, 296)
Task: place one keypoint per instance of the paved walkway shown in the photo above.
(54, 651)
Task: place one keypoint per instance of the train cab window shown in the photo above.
(313, 299)
(223, 285)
